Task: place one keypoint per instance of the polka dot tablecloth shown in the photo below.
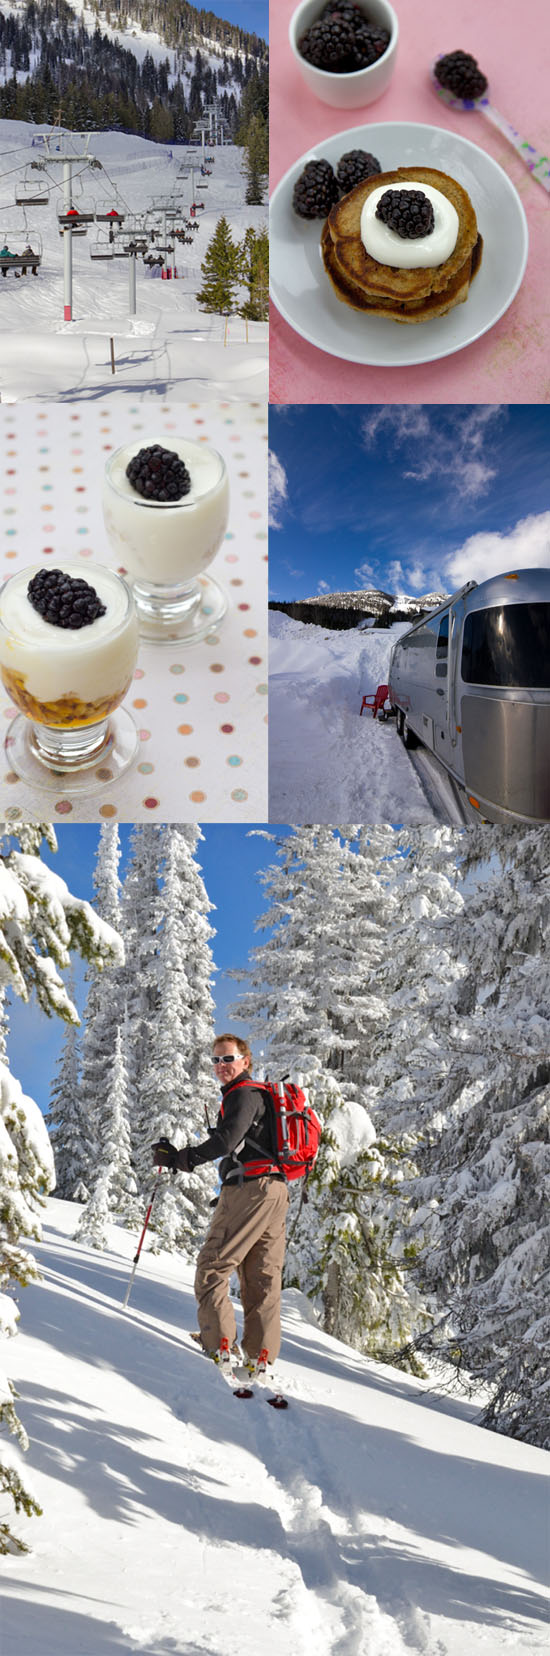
(201, 710)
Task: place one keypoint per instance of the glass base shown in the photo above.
(82, 761)
(183, 615)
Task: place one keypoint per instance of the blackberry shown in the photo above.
(409, 212)
(159, 474)
(459, 73)
(315, 191)
(64, 600)
(343, 9)
(329, 45)
(369, 44)
(354, 167)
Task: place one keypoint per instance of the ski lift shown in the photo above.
(25, 259)
(74, 218)
(102, 247)
(31, 191)
(108, 214)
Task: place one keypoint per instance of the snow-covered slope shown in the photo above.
(373, 1518)
(326, 762)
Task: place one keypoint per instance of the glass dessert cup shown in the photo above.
(68, 686)
(165, 547)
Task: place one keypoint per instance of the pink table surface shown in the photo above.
(511, 363)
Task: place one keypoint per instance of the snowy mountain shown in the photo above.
(373, 1516)
(152, 70)
(345, 609)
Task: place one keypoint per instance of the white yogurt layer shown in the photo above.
(160, 541)
(418, 253)
(89, 662)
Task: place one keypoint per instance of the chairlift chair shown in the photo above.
(26, 258)
(74, 218)
(107, 214)
(101, 248)
(31, 191)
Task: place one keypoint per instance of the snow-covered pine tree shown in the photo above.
(114, 1187)
(40, 923)
(419, 973)
(222, 272)
(351, 1250)
(102, 1018)
(177, 1083)
(488, 1169)
(140, 920)
(313, 982)
(64, 1121)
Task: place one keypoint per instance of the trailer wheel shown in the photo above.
(409, 739)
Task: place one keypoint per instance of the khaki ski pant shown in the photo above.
(247, 1235)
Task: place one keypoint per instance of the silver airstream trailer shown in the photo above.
(472, 682)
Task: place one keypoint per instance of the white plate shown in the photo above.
(305, 297)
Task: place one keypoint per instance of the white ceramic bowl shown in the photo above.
(361, 87)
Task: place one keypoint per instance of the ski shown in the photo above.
(245, 1381)
(277, 1401)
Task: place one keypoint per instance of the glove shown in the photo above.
(184, 1161)
(166, 1155)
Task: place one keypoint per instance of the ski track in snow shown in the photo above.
(371, 1518)
(171, 348)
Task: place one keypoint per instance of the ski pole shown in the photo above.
(142, 1237)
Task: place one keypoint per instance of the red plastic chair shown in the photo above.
(375, 703)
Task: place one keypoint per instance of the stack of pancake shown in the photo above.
(379, 289)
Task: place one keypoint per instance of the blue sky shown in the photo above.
(231, 858)
(252, 15)
(406, 498)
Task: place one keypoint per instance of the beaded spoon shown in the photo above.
(532, 157)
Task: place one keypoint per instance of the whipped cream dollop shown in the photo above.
(388, 248)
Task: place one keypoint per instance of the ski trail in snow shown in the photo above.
(324, 1544)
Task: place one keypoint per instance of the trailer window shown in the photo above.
(509, 646)
(442, 648)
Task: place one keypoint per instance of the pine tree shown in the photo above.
(255, 268)
(487, 1170)
(351, 1249)
(40, 923)
(102, 1017)
(177, 1081)
(256, 164)
(114, 1188)
(141, 910)
(221, 268)
(64, 1121)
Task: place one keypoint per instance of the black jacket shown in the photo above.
(245, 1110)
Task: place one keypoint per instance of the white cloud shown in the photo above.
(417, 578)
(278, 490)
(322, 586)
(405, 421)
(456, 447)
(364, 573)
(395, 574)
(526, 546)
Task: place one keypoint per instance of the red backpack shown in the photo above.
(297, 1131)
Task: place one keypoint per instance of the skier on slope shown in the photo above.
(247, 1233)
